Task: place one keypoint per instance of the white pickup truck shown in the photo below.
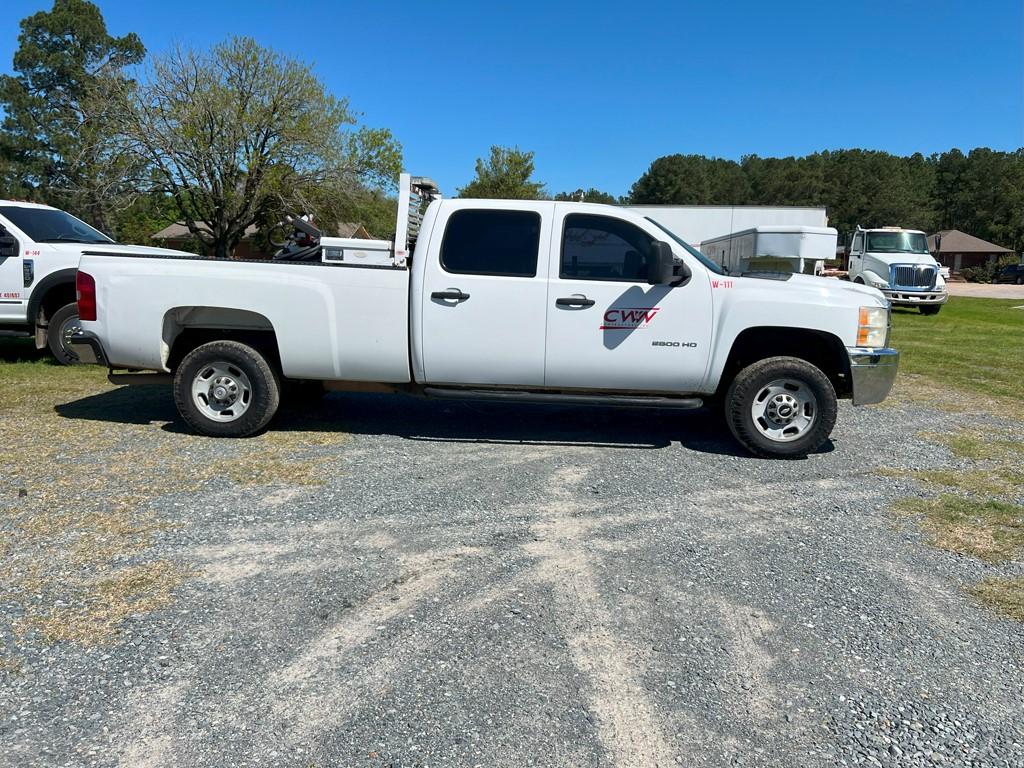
(507, 300)
(40, 248)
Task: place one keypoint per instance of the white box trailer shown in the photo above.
(773, 248)
(697, 223)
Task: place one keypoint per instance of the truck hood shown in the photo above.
(828, 290)
(115, 248)
(901, 258)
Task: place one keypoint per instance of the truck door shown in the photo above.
(607, 327)
(13, 294)
(483, 295)
(857, 254)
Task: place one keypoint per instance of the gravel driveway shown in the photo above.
(463, 585)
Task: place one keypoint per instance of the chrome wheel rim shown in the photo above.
(784, 410)
(66, 332)
(221, 391)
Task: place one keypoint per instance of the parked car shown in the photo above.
(504, 300)
(40, 248)
(1012, 273)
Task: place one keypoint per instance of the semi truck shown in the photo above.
(40, 248)
(511, 301)
(897, 262)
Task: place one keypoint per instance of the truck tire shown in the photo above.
(63, 322)
(781, 407)
(932, 310)
(226, 389)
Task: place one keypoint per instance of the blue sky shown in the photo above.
(600, 89)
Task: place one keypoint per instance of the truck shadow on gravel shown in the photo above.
(422, 419)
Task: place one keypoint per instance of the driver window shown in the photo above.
(858, 243)
(603, 248)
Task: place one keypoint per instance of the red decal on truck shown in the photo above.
(628, 318)
(721, 283)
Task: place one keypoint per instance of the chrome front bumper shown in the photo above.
(872, 373)
(914, 298)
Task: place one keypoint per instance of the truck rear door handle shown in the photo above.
(452, 294)
(574, 301)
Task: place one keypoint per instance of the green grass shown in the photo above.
(987, 529)
(974, 348)
(1003, 595)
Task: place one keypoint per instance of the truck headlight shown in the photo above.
(873, 327)
(876, 282)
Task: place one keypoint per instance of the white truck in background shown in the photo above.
(501, 300)
(897, 262)
(40, 248)
(773, 248)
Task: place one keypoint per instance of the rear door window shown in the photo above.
(491, 242)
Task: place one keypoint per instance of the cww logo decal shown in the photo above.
(628, 318)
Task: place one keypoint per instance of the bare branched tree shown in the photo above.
(241, 133)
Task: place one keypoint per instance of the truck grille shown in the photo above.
(918, 277)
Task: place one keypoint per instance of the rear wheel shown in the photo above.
(62, 326)
(930, 310)
(226, 389)
(781, 407)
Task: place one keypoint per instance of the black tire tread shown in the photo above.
(743, 388)
(53, 339)
(266, 389)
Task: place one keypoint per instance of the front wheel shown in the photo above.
(61, 328)
(930, 310)
(781, 407)
(226, 389)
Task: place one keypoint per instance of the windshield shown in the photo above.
(48, 225)
(689, 249)
(897, 242)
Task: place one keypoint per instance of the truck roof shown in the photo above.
(25, 204)
(893, 229)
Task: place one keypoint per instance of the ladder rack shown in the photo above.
(415, 193)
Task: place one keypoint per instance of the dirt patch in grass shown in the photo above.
(1004, 596)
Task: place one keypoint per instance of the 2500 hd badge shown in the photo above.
(690, 344)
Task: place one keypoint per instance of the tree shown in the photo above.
(239, 134)
(50, 132)
(505, 175)
(590, 195)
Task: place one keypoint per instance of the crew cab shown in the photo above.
(40, 248)
(507, 300)
(897, 262)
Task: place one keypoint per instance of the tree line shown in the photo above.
(221, 139)
(233, 137)
(980, 192)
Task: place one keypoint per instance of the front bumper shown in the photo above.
(88, 347)
(914, 298)
(872, 373)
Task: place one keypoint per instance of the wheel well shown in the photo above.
(186, 328)
(56, 296)
(820, 349)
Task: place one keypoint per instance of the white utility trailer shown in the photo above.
(773, 248)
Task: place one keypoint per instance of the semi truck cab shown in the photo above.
(897, 262)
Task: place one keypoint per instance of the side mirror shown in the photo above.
(660, 264)
(8, 246)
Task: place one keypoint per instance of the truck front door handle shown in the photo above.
(574, 301)
(452, 294)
